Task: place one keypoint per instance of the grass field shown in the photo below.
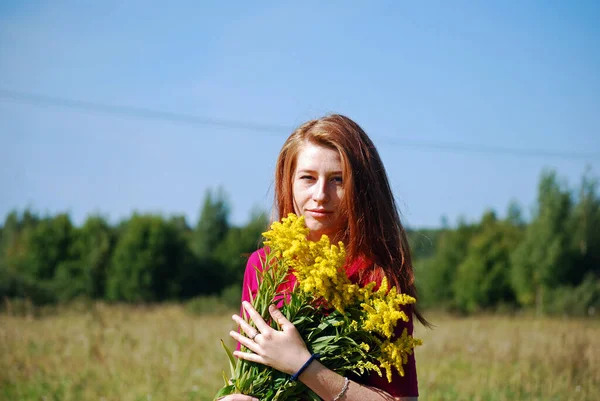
(127, 353)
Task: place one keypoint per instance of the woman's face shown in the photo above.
(318, 190)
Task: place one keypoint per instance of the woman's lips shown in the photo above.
(319, 213)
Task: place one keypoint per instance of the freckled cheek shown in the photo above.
(342, 218)
(298, 206)
(340, 196)
(300, 198)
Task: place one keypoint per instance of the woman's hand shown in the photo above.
(283, 349)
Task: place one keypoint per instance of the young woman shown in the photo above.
(330, 172)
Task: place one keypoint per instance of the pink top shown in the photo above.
(401, 386)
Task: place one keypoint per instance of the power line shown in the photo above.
(476, 148)
(272, 129)
(138, 112)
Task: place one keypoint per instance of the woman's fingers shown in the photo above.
(250, 331)
(249, 356)
(280, 318)
(245, 341)
(261, 325)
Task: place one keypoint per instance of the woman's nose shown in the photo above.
(320, 194)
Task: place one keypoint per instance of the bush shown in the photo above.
(581, 300)
(15, 285)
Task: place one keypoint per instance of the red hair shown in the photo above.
(373, 232)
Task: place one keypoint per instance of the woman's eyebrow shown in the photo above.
(305, 170)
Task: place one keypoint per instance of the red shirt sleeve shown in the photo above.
(250, 283)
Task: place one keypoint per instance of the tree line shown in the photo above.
(550, 263)
(146, 258)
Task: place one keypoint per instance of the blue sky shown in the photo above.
(508, 74)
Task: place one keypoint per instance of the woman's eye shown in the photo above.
(306, 177)
(337, 179)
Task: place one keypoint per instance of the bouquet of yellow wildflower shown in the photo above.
(351, 327)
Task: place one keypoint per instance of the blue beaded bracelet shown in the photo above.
(303, 368)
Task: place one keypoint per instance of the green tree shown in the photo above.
(514, 214)
(85, 273)
(482, 279)
(32, 249)
(15, 280)
(208, 274)
(212, 226)
(542, 261)
(148, 260)
(584, 229)
(13, 244)
(423, 242)
(49, 244)
(238, 244)
(436, 275)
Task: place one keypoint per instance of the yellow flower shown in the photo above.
(395, 354)
(369, 366)
(383, 309)
(287, 236)
(318, 265)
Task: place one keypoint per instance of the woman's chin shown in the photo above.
(317, 232)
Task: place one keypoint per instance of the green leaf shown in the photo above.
(225, 379)
(232, 361)
(225, 391)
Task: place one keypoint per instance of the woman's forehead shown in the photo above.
(316, 157)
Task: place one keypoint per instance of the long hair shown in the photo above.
(373, 232)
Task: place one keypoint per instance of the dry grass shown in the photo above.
(496, 358)
(113, 353)
(128, 353)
